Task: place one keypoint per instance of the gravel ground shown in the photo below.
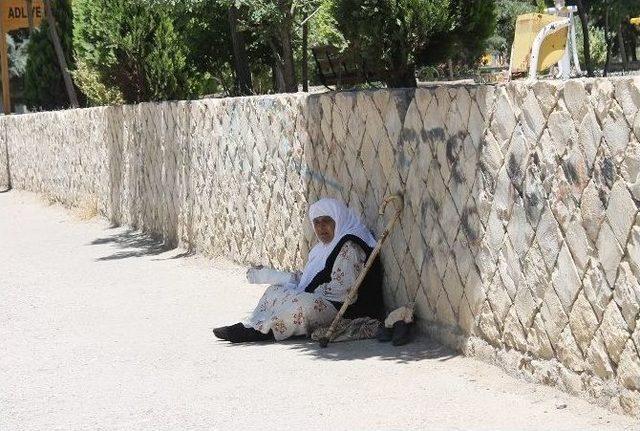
(103, 329)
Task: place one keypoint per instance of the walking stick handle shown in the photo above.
(398, 203)
(353, 291)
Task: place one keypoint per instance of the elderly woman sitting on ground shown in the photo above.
(298, 307)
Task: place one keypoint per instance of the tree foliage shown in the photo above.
(43, 83)
(474, 21)
(507, 12)
(204, 26)
(323, 27)
(598, 45)
(608, 21)
(140, 48)
(276, 24)
(409, 33)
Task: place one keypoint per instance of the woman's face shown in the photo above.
(325, 228)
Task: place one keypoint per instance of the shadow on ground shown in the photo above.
(186, 253)
(134, 244)
(421, 348)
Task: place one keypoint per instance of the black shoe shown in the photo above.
(401, 333)
(238, 333)
(222, 332)
(384, 334)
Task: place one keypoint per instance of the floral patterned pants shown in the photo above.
(288, 313)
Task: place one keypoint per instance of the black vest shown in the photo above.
(370, 302)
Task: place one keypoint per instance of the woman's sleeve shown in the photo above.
(262, 275)
(345, 271)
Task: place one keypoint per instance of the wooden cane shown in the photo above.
(398, 203)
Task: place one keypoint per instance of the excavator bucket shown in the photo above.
(527, 28)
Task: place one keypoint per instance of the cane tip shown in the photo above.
(324, 342)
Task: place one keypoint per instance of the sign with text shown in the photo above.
(15, 16)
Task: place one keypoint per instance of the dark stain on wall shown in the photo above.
(535, 158)
(513, 169)
(454, 144)
(424, 207)
(570, 172)
(456, 174)
(428, 254)
(433, 135)
(453, 149)
(604, 198)
(487, 178)
(608, 171)
(408, 135)
(482, 144)
(403, 100)
(436, 206)
(469, 231)
(533, 207)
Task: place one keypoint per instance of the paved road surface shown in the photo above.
(103, 329)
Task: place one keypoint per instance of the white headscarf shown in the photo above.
(347, 223)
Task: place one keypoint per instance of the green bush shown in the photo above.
(597, 45)
(134, 48)
(204, 26)
(99, 94)
(323, 27)
(43, 84)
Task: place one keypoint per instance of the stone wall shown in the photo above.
(5, 184)
(520, 232)
(222, 177)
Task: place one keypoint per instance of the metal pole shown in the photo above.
(30, 15)
(304, 21)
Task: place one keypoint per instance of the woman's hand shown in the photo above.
(296, 276)
(253, 274)
(261, 275)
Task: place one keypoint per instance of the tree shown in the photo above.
(43, 82)
(323, 31)
(474, 22)
(324, 27)
(134, 46)
(123, 45)
(597, 47)
(205, 25)
(584, 21)
(276, 23)
(612, 16)
(240, 59)
(507, 12)
(409, 33)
